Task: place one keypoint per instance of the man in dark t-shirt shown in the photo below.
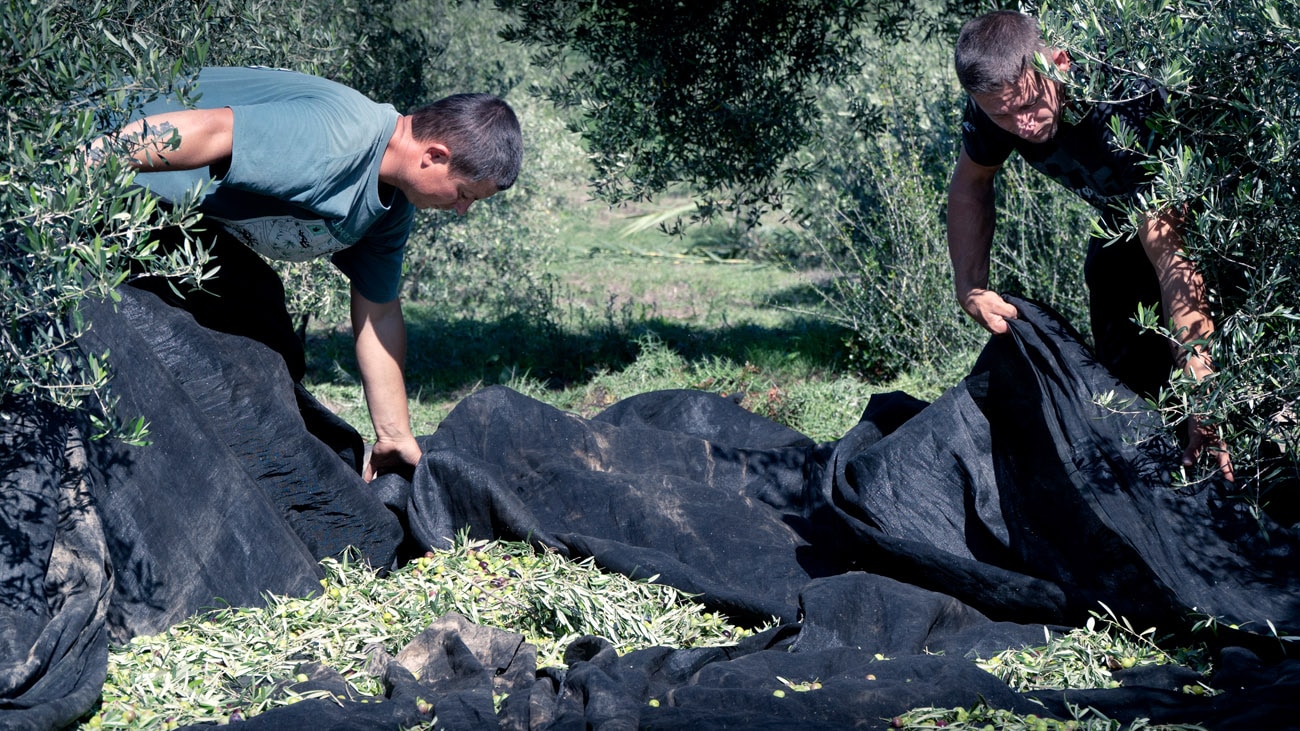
(1013, 106)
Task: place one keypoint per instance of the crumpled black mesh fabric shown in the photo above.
(1014, 492)
(55, 577)
(926, 535)
(233, 498)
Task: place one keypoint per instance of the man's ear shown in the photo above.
(1060, 59)
(435, 153)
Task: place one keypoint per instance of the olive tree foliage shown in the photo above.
(489, 264)
(72, 230)
(712, 95)
(1232, 72)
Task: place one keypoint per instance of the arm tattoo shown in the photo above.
(152, 141)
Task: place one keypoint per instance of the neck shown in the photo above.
(392, 165)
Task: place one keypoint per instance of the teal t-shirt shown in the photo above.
(304, 174)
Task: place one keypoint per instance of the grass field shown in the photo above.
(637, 313)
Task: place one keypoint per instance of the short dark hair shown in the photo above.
(994, 50)
(481, 131)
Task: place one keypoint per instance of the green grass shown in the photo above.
(637, 313)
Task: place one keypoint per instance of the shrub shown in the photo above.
(1232, 74)
(72, 231)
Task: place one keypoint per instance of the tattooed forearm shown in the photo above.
(147, 147)
(181, 140)
(143, 145)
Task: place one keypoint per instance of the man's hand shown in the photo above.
(1202, 437)
(393, 456)
(989, 309)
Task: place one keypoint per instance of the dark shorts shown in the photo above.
(1119, 277)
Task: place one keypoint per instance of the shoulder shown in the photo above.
(1105, 91)
(263, 85)
(984, 142)
(298, 114)
(973, 119)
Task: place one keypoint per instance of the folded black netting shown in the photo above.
(1087, 501)
(644, 501)
(929, 534)
(1015, 492)
(55, 577)
(234, 497)
(246, 484)
(1013, 501)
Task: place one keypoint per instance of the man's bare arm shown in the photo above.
(970, 239)
(1182, 295)
(182, 140)
(380, 334)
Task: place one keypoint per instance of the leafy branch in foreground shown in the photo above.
(984, 718)
(73, 230)
(231, 663)
(75, 225)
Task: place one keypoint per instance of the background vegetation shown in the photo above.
(809, 146)
(883, 153)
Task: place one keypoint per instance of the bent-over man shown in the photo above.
(1013, 107)
(292, 166)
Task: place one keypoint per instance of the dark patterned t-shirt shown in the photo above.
(1083, 155)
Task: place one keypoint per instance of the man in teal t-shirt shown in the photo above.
(294, 167)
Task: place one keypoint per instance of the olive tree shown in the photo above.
(1232, 74)
(74, 229)
(713, 95)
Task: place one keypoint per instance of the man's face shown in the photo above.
(439, 188)
(1029, 109)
